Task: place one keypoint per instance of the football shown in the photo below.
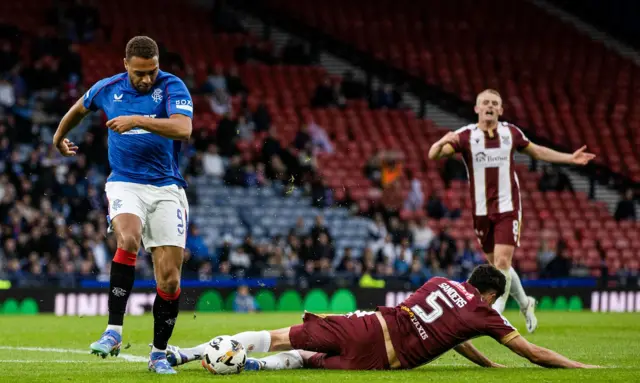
(224, 356)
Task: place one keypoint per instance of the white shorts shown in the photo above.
(164, 211)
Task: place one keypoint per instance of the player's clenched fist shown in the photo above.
(450, 138)
(66, 147)
(121, 124)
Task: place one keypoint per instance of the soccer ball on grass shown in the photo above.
(224, 356)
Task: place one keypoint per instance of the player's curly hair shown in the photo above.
(141, 46)
(486, 278)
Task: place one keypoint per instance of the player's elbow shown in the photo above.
(186, 130)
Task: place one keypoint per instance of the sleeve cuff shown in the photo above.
(509, 337)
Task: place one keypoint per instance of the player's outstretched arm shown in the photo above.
(444, 147)
(176, 127)
(579, 157)
(542, 356)
(70, 120)
(469, 351)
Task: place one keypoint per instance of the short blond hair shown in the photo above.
(488, 90)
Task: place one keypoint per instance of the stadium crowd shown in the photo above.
(52, 209)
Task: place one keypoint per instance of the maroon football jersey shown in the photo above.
(439, 316)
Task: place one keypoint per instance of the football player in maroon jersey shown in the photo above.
(440, 316)
(487, 148)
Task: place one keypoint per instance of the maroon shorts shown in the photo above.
(343, 342)
(498, 229)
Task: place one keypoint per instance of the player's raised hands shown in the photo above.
(121, 124)
(580, 157)
(67, 148)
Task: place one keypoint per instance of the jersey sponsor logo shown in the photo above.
(140, 130)
(184, 105)
(488, 160)
(156, 96)
(416, 323)
(117, 97)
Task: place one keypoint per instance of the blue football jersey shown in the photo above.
(140, 156)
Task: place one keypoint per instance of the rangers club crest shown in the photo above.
(157, 95)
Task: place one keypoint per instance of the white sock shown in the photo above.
(154, 349)
(194, 353)
(501, 302)
(254, 341)
(115, 328)
(517, 292)
(289, 360)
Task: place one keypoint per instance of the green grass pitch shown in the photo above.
(45, 348)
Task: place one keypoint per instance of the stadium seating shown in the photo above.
(263, 214)
(555, 81)
(287, 90)
(359, 132)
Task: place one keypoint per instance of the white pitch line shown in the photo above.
(127, 357)
(43, 361)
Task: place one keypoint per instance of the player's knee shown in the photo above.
(280, 340)
(502, 263)
(129, 242)
(170, 285)
(168, 281)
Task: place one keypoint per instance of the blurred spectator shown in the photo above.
(295, 52)
(7, 93)
(328, 94)
(418, 274)
(196, 245)
(422, 235)
(319, 228)
(245, 128)
(226, 136)
(443, 254)
(391, 167)
(235, 175)
(262, 118)
(435, 206)
(453, 170)
(377, 231)
(560, 265)
(626, 209)
(351, 87)
(415, 198)
(234, 83)
(220, 102)
(399, 231)
(321, 195)
(392, 199)
(545, 254)
(319, 139)
(212, 162)
(240, 262)
(469, 258)
(554, 179)
(244, 302)
(216, 81)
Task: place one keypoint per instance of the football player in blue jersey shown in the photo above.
(150, 113)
